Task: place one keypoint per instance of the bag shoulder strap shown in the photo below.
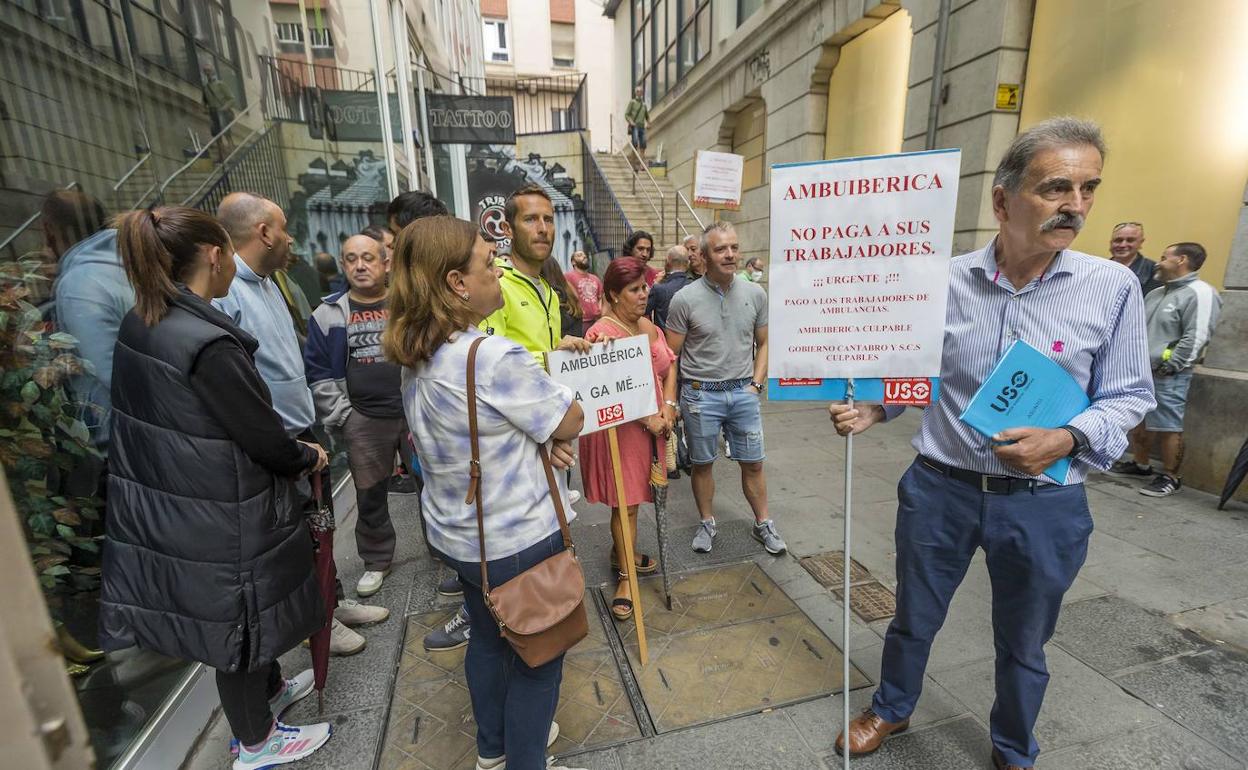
(474, 466)
(474, 470)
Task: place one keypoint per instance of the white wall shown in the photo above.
(595, 36)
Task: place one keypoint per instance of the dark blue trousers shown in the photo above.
(512, 702)
(1035, 543)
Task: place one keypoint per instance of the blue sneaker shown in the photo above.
(284, 744)
(293, 691)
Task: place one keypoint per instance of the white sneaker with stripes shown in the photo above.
(284, 744)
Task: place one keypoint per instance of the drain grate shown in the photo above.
(826, 568)
(871, 601)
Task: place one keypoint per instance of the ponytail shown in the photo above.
(160, 249)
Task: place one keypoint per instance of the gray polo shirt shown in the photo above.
(719, 328)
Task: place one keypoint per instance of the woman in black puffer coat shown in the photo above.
(206, 555)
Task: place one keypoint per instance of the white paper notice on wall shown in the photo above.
(717, 179)
(859, 272)
(614, 381)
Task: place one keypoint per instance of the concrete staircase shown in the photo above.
(640, 208)
(139, 190)
(187, 187)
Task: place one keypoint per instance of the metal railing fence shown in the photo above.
(607, 223)
(258, 167)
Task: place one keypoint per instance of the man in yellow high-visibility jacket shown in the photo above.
(530, 312)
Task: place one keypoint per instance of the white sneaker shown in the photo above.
(500, 763)
(574, 497)
(352, 613)
(344, 641)
(284, 744)
(370, 583)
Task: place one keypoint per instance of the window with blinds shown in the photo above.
(563, 44)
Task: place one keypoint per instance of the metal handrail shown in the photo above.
(13, 236)
(224, 165)
(640, 160)
(130, 173)
(658, 210)
(164, 185)
(257, 167)
(682, 199)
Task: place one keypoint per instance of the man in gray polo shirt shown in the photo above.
(718, 327)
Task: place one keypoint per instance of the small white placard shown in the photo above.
(717, 179)
(614, 381)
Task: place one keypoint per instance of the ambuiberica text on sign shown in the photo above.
(860, 251)
(614, 381)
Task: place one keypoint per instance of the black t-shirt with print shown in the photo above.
(372, 381)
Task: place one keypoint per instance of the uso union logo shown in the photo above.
(610, 415)
(1004, 400)
(914, 391)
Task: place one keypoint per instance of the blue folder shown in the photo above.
(1027, 389)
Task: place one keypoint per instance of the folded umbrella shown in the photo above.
(658, 487)
(1239, 469)
(321, 524)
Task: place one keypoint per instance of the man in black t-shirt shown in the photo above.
(357, 390)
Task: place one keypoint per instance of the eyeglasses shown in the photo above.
(1121, 225)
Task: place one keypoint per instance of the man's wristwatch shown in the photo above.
(672, 404)
(757, 386)
(1081, 440)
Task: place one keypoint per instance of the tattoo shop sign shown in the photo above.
(355, 116)
(859, 271)
(457, 119)
(614, 381)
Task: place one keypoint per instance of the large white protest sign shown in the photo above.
(613, 381)
(860, 253)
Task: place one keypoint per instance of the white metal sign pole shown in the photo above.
(849, 486)
(383, 103)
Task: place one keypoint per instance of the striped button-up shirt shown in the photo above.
(1084, 312)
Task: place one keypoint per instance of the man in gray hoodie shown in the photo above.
(1181, 316)
(92, 295)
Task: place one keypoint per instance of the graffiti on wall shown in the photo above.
(334, 201)
(494, 172)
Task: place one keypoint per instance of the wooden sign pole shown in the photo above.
(627, 559)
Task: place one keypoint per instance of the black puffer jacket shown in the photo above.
(207, 556)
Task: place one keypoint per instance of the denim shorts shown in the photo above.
(1171, 392)
(707, 413)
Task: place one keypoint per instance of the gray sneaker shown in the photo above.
(451, 636)
(703, 537)
(765, 533)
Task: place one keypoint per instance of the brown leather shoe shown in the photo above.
(999, 763)
(867, 732)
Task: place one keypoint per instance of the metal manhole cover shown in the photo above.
(826, 568)
(871, 601)
(733, 644)
(431, 723)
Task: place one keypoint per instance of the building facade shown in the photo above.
(140, 103)
(551, 48)
(780, 81)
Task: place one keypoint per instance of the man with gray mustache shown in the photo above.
(964, 492)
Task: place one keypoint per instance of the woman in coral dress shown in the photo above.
(626, 292)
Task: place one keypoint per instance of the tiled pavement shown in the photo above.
(1149, 665)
